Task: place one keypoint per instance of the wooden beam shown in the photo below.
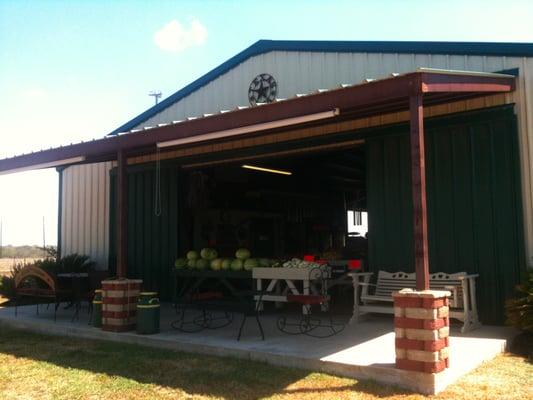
(418, 177)
(122, 215)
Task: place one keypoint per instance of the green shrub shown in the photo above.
(7, 283)
(50, 265)
(520, 309)
(75, 263)
(7, 287)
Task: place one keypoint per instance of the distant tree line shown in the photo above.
(26, 251)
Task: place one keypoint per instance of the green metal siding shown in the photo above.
(474, 202)
(474, 206)
(152, 240)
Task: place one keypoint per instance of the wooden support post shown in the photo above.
(122, 215)
(418, 177)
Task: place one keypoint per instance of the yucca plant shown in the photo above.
(520, 309)
(520, 315)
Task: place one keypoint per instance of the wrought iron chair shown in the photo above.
(207, 316)
(216, 311)
(319, 324)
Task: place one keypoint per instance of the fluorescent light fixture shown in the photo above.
(273, 171)
(251, 128)
(50, 164)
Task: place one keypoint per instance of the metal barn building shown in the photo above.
(479, 162)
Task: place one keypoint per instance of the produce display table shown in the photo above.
(187, 281)
(277, 283)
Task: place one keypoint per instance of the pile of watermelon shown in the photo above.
(208, 258)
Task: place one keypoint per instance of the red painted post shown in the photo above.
(418, 177)
(122, 215)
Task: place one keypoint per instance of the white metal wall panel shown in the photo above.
(304, 72)
(85, 211)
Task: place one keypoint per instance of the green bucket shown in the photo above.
(148, 313)
(97, 309)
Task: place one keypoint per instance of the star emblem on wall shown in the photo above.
(263, 89)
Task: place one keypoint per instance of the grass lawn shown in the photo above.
(42, 367)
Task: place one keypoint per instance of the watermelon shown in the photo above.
(226, 263)
(192, 255)
(264, 262)
(202, 264)
(236, 265)
(250, 263)
(242, 254)
(216, 264)
(191, 264)
(208, 253)
(181, 263)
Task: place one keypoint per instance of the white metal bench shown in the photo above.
(461, 285)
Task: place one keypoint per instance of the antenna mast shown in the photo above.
(156, 94)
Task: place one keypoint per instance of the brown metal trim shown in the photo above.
(418, 185)
(279, 154)
(365, 100)
(454, 83)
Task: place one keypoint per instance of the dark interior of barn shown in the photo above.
(279, 207)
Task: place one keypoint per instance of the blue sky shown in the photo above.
(73, 70)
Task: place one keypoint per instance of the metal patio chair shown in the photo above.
(317, 320)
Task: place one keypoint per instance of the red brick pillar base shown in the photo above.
(422, 328)
(119, 304)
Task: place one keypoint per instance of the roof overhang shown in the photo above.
(353, 102)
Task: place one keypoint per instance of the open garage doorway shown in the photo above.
(280, 208)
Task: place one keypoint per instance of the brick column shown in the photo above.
(119, 304)
(422, 328)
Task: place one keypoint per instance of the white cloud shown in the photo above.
(175, 37)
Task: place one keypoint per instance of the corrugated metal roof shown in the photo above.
(371, 97)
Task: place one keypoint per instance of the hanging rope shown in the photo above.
(157, 197)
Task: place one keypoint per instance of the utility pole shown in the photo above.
(156, 94)
(44, 238)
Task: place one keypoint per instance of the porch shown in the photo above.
(363, 351)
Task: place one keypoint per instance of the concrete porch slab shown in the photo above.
(362, 351)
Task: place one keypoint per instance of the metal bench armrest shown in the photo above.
(455, 292)
(469, 276)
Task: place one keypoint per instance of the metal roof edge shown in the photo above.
(258, 47)
(463, 72)
(265, 46)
